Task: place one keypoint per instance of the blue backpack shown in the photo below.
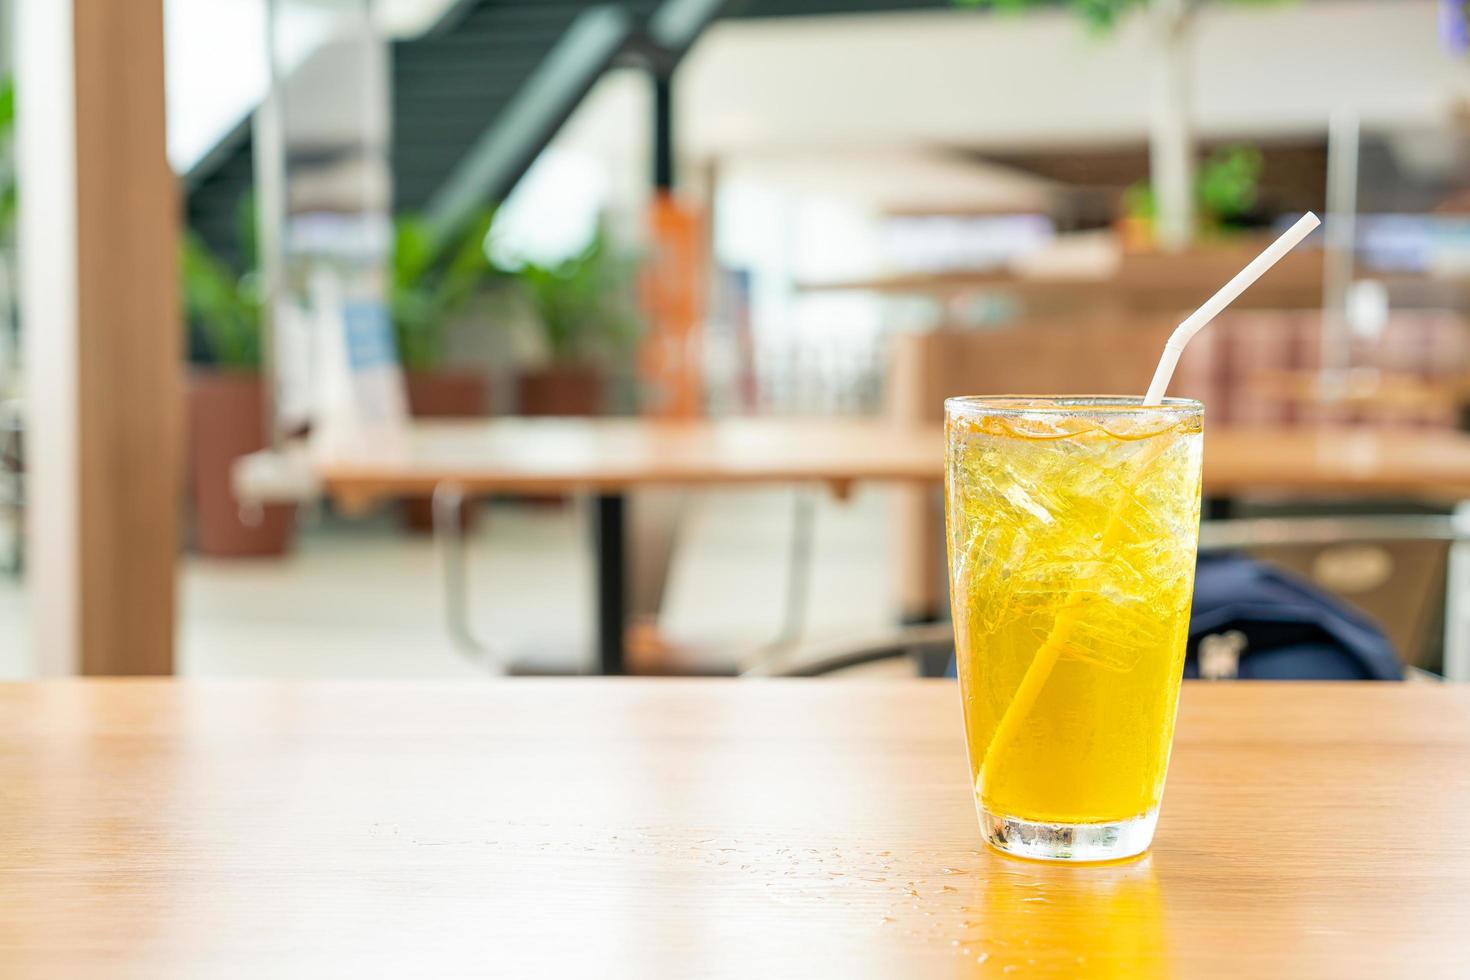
(1254, 621)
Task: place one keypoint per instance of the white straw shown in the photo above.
(1212, 306)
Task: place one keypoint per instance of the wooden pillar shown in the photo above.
(101, 334)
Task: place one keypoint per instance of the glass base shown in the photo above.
(1070, 841)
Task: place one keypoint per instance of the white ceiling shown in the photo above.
(961, 79)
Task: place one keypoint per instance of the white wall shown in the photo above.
(46, 161)
(968, 79)
(216, 58)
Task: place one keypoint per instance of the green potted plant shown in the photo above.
(1226, 190)
(226, 405)
(11, 462)
(431, 284)
(587, 320)
(7, 221)
(7, 168)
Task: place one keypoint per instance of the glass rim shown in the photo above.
(1069, 405)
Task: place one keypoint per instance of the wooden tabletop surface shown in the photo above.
(560, 455)
(1378, 391)
(688, 828)
(568, 455)
(1331, 461)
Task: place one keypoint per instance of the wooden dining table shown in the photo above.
(703, 828)
(607, 457)
(611, 455)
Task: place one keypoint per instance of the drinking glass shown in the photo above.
(1073, 524)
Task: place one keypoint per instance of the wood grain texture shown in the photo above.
(700, 828)
(568, 455)
(129, 344)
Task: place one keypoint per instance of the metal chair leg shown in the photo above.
(798, 585)
(448, 508)
(798, 569)
(929, 646)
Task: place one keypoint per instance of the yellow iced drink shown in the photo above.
(1073, 524)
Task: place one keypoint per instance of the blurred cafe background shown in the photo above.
(295, 231)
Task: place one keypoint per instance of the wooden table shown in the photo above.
(1430, 464)
(610, 455)
(508, 455)
(1393, 394)
(684, 828)
(606, 457)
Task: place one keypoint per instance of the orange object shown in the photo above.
(673, 292)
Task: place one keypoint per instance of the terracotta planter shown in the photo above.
(225, 422)
(561, 389)
(446, 394)
(441, 394)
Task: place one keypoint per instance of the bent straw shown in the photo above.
(1196, 321)
(1070, 615)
